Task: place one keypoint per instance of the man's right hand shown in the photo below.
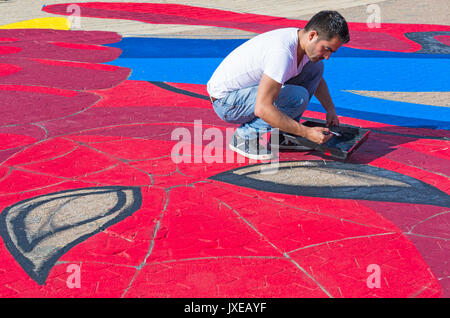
(265, 109)
(318, 135)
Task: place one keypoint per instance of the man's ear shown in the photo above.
(312, 34)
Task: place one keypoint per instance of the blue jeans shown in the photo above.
(238, 107)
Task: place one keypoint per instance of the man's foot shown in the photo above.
(250, 148)
(287, 142)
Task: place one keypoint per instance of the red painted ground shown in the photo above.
(78, 123)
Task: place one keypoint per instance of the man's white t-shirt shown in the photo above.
(273, 53)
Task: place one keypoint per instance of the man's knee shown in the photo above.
(292, 100)
(302, 95)
(292, 95)
(302, 102)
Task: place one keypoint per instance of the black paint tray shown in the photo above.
(339, 147)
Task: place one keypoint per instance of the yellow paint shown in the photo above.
(40, 23)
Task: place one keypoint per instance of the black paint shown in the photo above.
(415, 191)
(19, 227)
(429, 44)
(179, 90)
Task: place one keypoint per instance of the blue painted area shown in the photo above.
(175, 48)
(175, 70)
(388, 74)
(194, 61)
(350, 52)
(189, 48)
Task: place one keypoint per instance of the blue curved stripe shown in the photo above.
(175, 70)
(194, 61)
(175, 48)
(133, 47)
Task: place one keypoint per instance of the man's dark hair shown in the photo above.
(329, 24)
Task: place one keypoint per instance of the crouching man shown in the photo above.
(268, 81)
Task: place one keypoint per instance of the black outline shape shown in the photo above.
(178, 90)
(419, 193)
(429, 44)
(19, 230)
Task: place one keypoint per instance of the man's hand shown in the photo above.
(332, 118)
(318, 135)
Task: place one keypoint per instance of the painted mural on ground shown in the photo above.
(87, 175)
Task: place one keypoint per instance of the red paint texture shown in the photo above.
(8, 39)
(36, 106)
(444, 39)
(194, 237)
(133, 148)
(8, 69)
(65, 75)
(47, 35)
(145, 94)
(43, 76)
(4, 50)
(217, 245)
(13, 141)
(60, 51)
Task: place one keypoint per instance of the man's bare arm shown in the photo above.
(265, 109)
